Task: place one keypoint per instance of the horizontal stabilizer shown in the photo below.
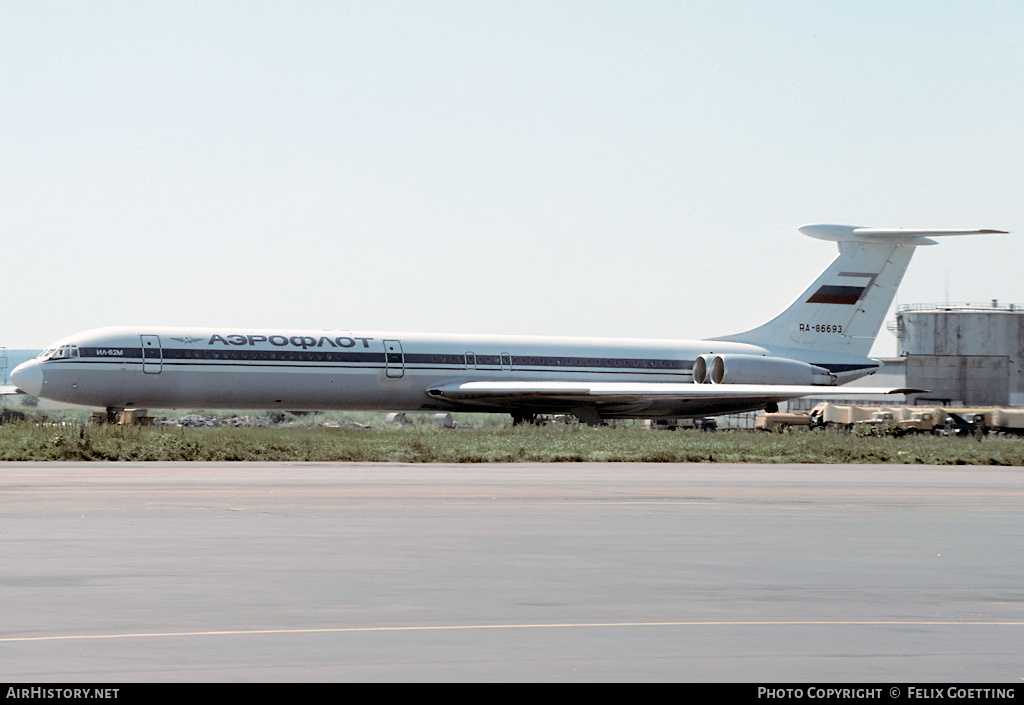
(9, 389)
(896, 236)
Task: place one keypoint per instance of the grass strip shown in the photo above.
(425, 444)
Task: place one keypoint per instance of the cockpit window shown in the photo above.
(64, 351)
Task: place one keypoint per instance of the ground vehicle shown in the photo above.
(911, 420)
(826, 415)
(928, 421)
(781, 420)
(674, 424)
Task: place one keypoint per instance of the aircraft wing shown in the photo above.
(565, 394)
(6, 389)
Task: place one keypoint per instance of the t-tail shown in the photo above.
(843, 309)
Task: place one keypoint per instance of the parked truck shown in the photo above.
(926, 420)
(907, 420)
(827, 415)
(912, 420)
(781, 420)
(967, 421)
(700, 423)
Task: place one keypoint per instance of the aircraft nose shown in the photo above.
(28, 377)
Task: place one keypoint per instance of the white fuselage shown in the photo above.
(817, 343)
(366, 370)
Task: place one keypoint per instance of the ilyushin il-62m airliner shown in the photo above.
(818, 343)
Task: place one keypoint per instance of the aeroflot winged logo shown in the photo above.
(848, 295)
(188, 340)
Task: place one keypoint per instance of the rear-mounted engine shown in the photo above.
(757, 369)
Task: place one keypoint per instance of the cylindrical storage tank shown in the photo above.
(964, 353)
(960, 332)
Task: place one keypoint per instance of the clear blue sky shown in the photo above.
(633, 169)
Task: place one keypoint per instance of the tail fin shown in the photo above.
(843, 309)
